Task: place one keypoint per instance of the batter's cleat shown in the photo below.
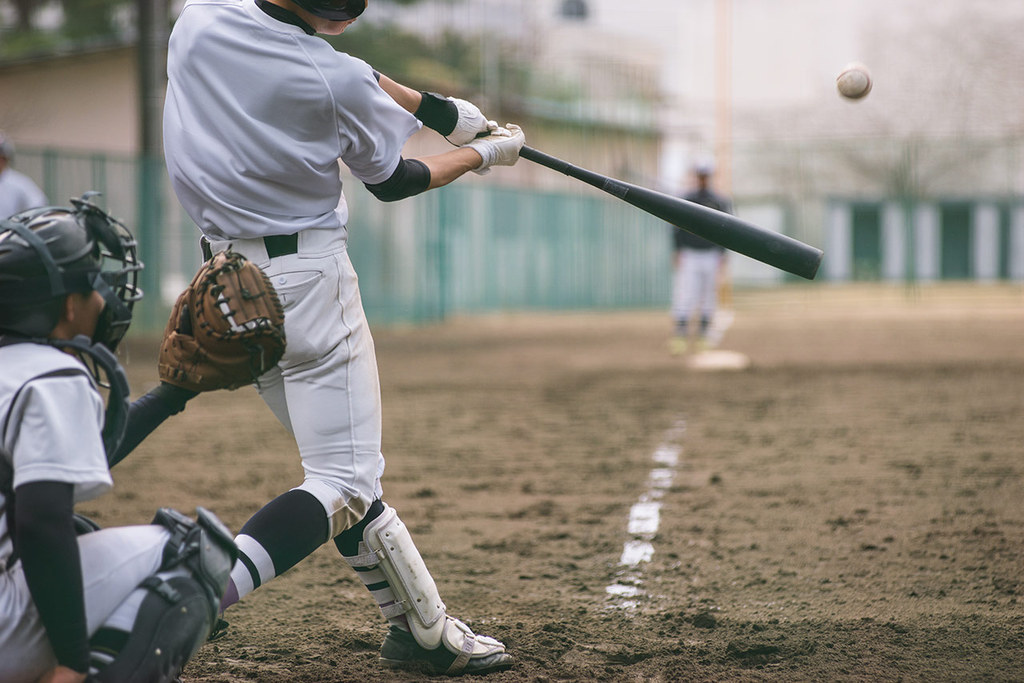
(400, 650)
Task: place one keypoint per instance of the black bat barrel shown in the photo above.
(775, 249)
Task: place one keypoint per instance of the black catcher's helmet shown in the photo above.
(335, 10)
(50, 252)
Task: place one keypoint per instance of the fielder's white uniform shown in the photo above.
(18, 193)
(51, 416)
(695, 283)
(231, 160)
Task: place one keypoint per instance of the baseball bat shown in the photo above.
(726, 230)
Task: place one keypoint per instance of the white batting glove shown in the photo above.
(500, 148)
(470, 124)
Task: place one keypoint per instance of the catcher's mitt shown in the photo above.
(226, 328)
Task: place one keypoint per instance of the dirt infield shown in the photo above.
(848, 507)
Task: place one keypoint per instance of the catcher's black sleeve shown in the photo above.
(48, 547)
(147, 413)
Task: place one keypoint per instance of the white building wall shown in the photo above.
(838, 259)
(927, 242)
(894, 241)
(1017, 244)
(985, 228)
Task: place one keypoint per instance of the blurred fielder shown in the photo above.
(122, 604)
(259, 110)
(699, 269)
(17, 191)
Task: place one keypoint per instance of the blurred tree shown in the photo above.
(451, 65)
(23, 10)
(90, 19)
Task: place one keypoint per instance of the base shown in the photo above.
(718, 359)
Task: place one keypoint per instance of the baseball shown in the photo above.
(854, 81)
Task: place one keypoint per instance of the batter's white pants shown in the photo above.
(114, 562)
(325, 390)
(695, 284)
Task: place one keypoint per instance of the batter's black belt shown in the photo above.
(276, 245)
(281, 245)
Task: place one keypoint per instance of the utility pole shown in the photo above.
(153, 32)
(723, 94)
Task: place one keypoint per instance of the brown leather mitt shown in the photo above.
(226, 328)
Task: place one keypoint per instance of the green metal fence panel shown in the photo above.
(475, 247)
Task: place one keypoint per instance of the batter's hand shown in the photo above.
(470, 124)
(500, 148)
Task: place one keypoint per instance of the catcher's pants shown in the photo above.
(114, 562)
(695, 284)
(325, 390)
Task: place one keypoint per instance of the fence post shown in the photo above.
(149, 215)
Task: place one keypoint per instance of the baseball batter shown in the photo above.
(259, 111)
(129, 603)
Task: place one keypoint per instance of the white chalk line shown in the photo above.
(644, 518)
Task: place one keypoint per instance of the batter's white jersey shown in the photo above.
(258, 114)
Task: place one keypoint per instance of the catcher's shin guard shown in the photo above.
(204, 546)
(441, 642)
(173, 622)
(180, 608)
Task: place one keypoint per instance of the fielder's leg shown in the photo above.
(708, 297)
(421, 634)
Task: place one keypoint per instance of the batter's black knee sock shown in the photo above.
(284, 531)
(373, 578)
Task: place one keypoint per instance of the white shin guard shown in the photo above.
(390, 547)
(387, 544)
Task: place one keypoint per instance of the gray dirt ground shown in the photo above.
(848, 508)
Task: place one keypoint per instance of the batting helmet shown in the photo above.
(48, 253)
(335, 10)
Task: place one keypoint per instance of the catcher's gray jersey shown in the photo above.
(42, 440)
(247, 165)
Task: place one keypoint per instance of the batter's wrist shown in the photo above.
(437, 113)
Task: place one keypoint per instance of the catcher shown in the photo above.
(76, 602)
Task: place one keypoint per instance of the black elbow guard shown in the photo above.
(410, 178)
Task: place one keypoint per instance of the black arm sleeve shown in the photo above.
(48, 547)
(438, 113)
(148, 413)
(410, 178)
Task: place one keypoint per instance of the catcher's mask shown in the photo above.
(334, 10)
(50, 252)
